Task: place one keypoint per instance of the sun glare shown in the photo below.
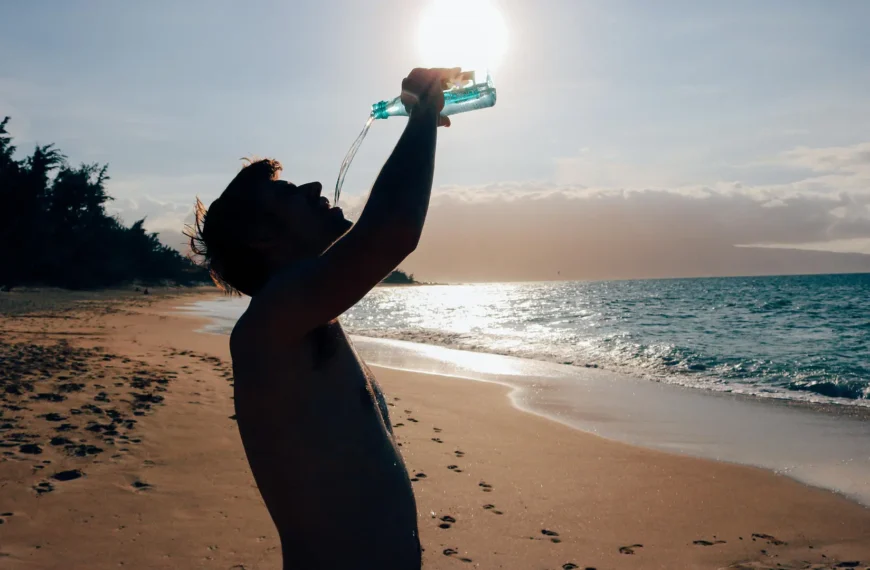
(462, 33)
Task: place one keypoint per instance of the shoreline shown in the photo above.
(522, 490)
(823, 448)
(821, 445)
(223, 320)
(810, 400)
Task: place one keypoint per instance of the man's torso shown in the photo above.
(317, 434)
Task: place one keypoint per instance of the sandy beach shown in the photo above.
(119, 449)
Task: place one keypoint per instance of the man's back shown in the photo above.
(317, 435)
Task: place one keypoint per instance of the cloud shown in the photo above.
(854, 245)
(158, 215)
(137, 198)
(166, 200)
(853, 159)
(529, 230)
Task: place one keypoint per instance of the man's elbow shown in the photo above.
(402, 241)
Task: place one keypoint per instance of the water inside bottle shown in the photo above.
(345, 165)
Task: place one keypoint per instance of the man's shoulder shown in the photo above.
(252, 338)
(247, 336)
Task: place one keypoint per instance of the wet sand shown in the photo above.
(119, 449)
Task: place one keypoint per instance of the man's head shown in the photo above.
(260, 224)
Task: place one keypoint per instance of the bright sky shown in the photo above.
(761, 104)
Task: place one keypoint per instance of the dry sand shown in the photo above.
(119, 449)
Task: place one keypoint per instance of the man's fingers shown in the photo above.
(424, 79)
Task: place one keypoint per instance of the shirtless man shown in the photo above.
(313, 421)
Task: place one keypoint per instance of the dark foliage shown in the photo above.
(54, 229)
(399, 277)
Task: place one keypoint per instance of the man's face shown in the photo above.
(306, 216)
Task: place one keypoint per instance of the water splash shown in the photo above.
(345, 165)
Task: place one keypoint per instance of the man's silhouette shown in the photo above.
(312, 419)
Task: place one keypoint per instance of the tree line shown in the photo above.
(54, 229)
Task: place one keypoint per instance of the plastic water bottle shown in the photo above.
(465, 94)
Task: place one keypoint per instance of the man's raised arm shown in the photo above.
(314, 292)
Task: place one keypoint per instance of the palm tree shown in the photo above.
(56, 231)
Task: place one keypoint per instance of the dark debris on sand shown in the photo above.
(87, 399)
(68, 475)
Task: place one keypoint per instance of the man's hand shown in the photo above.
(423, 91)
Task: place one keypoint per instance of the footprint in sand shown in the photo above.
(52, 417)
(770, 539)
(82, 450)
(436, 430)
(454, 468)
(485, 487)
(552, 534)
(629, 549)
(707, 542)
(437, 440)
(492, 509)
(446, 521)
(452, 551)
(141, 485)
(569, 566)
(43, 487)
(398, 425)
(48, 396)
(412, 420)
(458, 453)
(69, 475)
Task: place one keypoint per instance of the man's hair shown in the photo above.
(220, 236)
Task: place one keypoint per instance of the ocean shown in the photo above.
(655, 363)
(792, 337)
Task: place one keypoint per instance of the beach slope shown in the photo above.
(120, 449)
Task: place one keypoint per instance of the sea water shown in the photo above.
(798, 337)
(794, 338)
(713, 368)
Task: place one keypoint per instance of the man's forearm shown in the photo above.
(401, 192)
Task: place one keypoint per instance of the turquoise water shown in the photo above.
(798, 337)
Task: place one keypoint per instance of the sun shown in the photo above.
(462, 33)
